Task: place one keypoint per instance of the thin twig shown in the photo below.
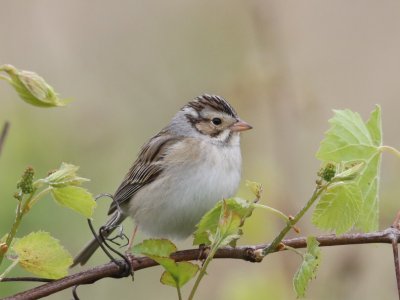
(3, 135)
(247, 253)
(390, 149)
(21, 212)
(396, 261)
(274, 246)
(396, 222)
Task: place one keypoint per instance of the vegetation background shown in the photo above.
(130, 65)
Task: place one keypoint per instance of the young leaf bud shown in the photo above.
(328, 172)
(64, 176)
(351, 172)
(32, 88)
(256, 188)
(25, 184)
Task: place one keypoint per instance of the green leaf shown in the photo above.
(41, 254)
(255, 187)
(228, 228)
(308, 267)
(158, 250)
(350, 173)
(368, 182)
(64, 176)
(168, 263)
(155, 247)
(235, 211)
(350, 140)
(374, 125)
(181, 275)
(339, 208)
(75, 198)
(207, 225)
(32, 88)
(176, 274)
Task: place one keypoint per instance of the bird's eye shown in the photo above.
(216, 121)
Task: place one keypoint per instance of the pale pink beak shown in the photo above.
(241, 126)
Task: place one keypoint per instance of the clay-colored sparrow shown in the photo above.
(181, 172)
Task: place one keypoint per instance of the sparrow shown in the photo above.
(181, 172)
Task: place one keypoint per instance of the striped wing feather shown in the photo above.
(146, 168)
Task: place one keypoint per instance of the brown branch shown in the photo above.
(396, 262)
(395, 239)
(247, 253)
(3, 134)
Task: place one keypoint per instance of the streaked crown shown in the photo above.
(213, 101)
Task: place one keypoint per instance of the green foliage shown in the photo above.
(64, 186)
(64, 176)
(176, 274)
(32, 88)
(255, 187)
(339, 208)
(155, 247)
(349, 173)
(368, 182)
(308, 268)
(223, 222)
(179, 276)
(41, 254)
(75, 198)
(219, 227)
(350, 141)
(38, 252)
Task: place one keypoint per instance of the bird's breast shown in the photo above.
(196, 176)
(206, 169)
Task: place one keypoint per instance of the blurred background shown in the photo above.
(130, 65)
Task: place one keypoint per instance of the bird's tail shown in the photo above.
(87, 252)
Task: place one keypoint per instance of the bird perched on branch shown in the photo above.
(181, 172)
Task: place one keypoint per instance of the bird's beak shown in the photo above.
(241, 126)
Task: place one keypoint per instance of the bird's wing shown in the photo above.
(146, 168)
